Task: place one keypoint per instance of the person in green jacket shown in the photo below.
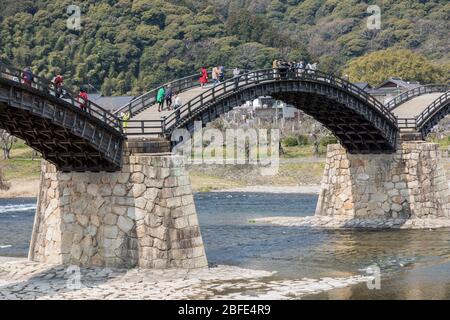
(160, 98)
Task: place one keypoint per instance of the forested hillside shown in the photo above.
(128, 46)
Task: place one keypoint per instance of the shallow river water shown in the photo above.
(414, 263)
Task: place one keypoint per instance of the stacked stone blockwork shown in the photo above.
(143, 216)
(409, 184)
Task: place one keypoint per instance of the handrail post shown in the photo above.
(163, 125)
(120, 123)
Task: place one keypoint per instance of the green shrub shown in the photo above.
(302, 140)
(325, 141)
(290, 141)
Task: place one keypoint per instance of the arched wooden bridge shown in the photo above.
(65, 135)
(361, 122)
(417, 110)
(92, 140)
(420, 109)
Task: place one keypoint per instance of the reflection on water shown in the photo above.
(424, 282)
(415, 264)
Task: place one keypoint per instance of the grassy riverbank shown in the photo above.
(298, 167)
(216, 177)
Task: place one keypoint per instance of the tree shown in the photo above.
(4, 185)
(131, 42)
(318, 133)
(6, 143)
(376, 67)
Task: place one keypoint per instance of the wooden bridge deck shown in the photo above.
(415, 106)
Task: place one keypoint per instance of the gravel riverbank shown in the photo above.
(21, 279)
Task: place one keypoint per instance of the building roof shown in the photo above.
(399, 83)
(110, 103)
(363, 85)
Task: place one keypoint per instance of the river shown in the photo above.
(413, 263)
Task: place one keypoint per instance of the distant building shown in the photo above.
(391, 88)
(291, 112)
(265, 103)
(110, 103)
(397, 83)
(363, 85)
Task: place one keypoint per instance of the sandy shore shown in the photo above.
(314, 189)
(21, 188)
(21, 279)
(30, 188)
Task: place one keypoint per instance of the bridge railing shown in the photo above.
(432, 109)
(148, 99)
(47, 87)
(152, 127)
(407, 123)
(254, 77)
(410, 94)
(189, 109)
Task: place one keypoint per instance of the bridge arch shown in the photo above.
(359, 121)
(65, 135)
(433, 114)
(416, 92)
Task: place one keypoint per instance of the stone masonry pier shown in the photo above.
(409, 184)
(143, 216)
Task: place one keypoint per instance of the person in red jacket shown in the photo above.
(204, 77)
(58, 81)
(83, 99)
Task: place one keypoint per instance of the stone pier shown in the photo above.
(143, 216)
(407, 185)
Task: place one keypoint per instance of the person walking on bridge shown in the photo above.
(215, 75)
(168, 97)
(27, 76)
(83, 99)
(275, 66)
(58, 82)
(236, 76)
(160, 96)
(178, 102)
(300, 67)
(204, 77)
(221, 73)
(177, 106)
(125, 117)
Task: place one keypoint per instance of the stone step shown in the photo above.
(412, 135)
(147, 146)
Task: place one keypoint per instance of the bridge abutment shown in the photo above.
(143, 216)
(406, 188)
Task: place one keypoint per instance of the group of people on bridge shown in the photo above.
(217, 75)
(282, 68)
(27, 78)
(167, 95)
